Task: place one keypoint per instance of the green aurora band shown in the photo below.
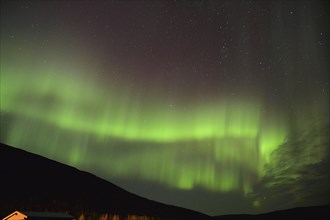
(220, 145)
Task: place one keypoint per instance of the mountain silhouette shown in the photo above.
(313, 212)
(32, 182)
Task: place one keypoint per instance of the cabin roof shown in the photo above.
(30, 214)
(47, 214)
(13, 214)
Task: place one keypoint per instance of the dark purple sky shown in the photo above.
(155, 95)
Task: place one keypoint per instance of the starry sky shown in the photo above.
(217, 106)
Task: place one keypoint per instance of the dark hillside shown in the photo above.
(32, 182)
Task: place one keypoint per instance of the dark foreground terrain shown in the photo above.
(315, 212)
(32, 182)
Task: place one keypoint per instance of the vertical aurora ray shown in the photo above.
(221, 145)
(179, 94)
(208, 145)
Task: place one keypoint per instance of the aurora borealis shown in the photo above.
(190, 97)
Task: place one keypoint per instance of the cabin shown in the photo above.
(38, 216)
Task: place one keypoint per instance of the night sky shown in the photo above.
(217, 106)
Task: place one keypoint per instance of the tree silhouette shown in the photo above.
(298, 172)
